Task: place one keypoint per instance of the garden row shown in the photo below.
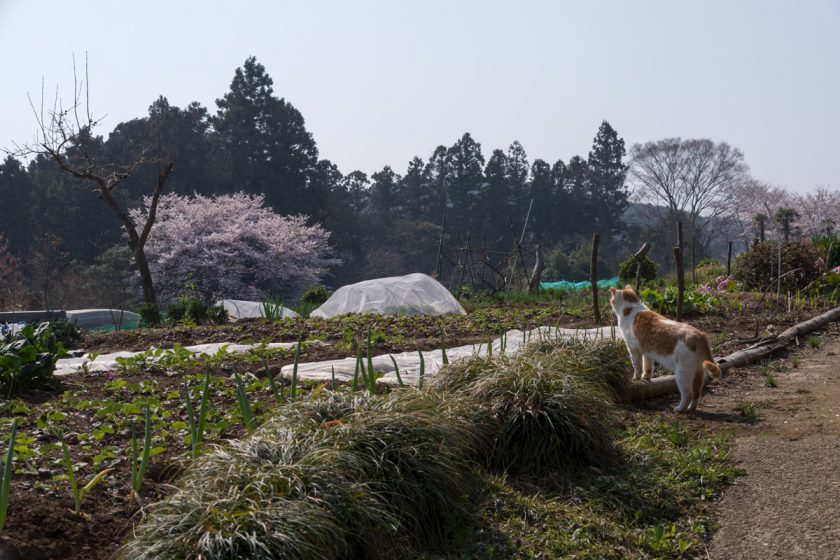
(350, 475)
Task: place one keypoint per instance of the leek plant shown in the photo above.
(422, 370)
(371, 376)
(140, 464)
(197, 423)
(355, 384)
(293, 388)
(278, 393)
(397, 371)
(245, 404)
(6, 476)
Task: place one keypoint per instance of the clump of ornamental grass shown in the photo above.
(548, 407)
(344, 476)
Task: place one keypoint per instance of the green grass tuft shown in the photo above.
(344, 476)
(549, 406)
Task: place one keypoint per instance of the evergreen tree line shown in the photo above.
(384, 223)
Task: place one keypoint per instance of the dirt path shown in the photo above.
(788, 504)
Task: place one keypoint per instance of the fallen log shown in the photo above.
(666, 384)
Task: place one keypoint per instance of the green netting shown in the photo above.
(127, 326)
(566, 285)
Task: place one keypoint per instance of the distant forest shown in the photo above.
(381, 224)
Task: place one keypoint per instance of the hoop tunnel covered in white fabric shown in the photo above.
(413, 294)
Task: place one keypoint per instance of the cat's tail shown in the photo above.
(712, 368)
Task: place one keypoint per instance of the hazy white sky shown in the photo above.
(379, 81)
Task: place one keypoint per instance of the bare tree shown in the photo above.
(689, 178)
(65, 135)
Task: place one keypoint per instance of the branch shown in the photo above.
(150, 219)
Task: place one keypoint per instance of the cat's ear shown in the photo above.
(629, 287)
(613, 291)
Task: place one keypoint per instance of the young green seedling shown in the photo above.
(443, 349)
(422, 370)
(371, 377)
(6, 476)
(293, 388)
(79, 494)
(397, 371)
(139, 465)
(356, 371)
(245, 404)
(197, 424)
(278, 395)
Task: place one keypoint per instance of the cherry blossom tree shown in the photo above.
(233, 246)
(819, 211)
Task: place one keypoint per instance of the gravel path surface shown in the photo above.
(788, 504)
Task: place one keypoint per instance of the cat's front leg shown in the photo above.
(647, 367)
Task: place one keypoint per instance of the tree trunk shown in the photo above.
(536, 275)
(640, 256)
(145, 276)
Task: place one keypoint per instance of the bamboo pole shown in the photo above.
(666, 384)
(440, 246)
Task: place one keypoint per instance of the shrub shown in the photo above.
(193, 311)
(176, 311)
(315, 295)
(708, 271)
(28, 361)
(196, 311)
(627, 269)
(825, 243)
(752, 269)
(217, 314)
(150, 314)
(574, 266)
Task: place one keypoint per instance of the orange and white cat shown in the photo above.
(650, 338)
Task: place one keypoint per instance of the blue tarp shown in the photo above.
(566, 285)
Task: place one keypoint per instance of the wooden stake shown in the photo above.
(729, 260)
(678, 259)
(693, 265)
(593, 278)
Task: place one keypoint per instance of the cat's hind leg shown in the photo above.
(637, 358)
(647, 367)
(697, 388)
(685, 385)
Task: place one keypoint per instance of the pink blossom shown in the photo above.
(232, 246)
